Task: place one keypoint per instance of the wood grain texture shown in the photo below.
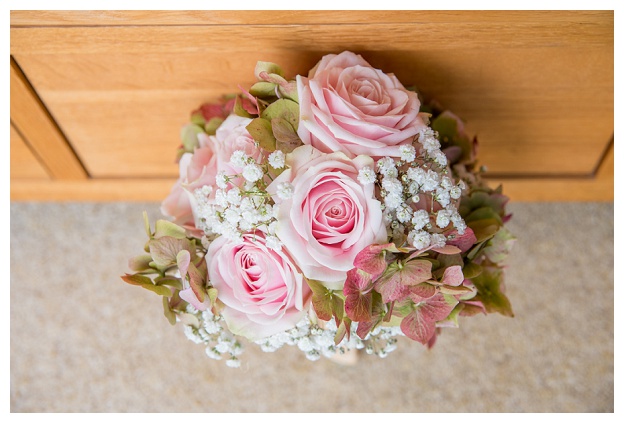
(43, 18)
(536, 87)
(32, 120)
(24, 164)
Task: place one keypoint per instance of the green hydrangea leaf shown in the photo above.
(167, 228)
(188, 135)
(484, 213)
(164, 250)
(260, 130)
(490, 288)
(285, 135)
(239, 110)
(267, 67)
(321, 300)
(212, 125)
(283, 109)
(472, 270)
(169, 314)
(484, 229)
(140, 263)
(497, 249)
(145, 282)
(263, 89)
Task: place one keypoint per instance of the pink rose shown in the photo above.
(201, 167)
(196, 170)
(262, 290)
(330, 217)
(347, 105)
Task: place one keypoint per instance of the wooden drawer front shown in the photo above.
(24, 164)
(536, 87)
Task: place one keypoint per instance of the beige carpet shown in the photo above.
(84, 341)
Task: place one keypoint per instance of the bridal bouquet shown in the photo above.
(331, 212)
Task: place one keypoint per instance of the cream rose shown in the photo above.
(261, 288)
(347, 105)
(330, 216)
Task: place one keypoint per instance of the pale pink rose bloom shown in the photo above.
(347, 105)
(262, 289)
(201, 167)
(331, 217)
(196, 170)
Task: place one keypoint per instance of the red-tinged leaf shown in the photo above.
(415, 272)
(471, 308)
(136, 279)
(337, 305)
(389, 285)
(197, 283)
(447, 249)
(372, 259)
(463, 242)
(453, 276)
(433, 339)
(418, 327)
(422, 291)
(358, 296)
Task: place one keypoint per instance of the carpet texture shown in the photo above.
(84, 341)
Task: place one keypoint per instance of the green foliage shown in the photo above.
(489, 286)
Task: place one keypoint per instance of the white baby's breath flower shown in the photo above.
(443, 219)
(419, 219)
(221, 179)
(366, 175)
(239, 158)
(387, 167)
(234, 196)
(438, 240)
(273, 243)
(277, 159)
(252, 172)
(408, 153)
(285, 190)
(420, 239)
(455, 192)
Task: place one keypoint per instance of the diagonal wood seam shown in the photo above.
(33, 121)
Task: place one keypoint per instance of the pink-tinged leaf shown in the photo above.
(422, 291)
(389, 285)
(337, 305)
(415, 272)
(447, 249)
(463, 242)
(358, 296)
(343, 329)
(136, 279)
(455, 290)
(471, 308)
(140, 263)
(372, 259)
(183, 260)
(189, 296)
(433, 339)
(418, 326)
(453, 276)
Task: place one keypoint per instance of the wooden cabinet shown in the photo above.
(98, 98)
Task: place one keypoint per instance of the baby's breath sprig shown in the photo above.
(420, 173)
(239, 203)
